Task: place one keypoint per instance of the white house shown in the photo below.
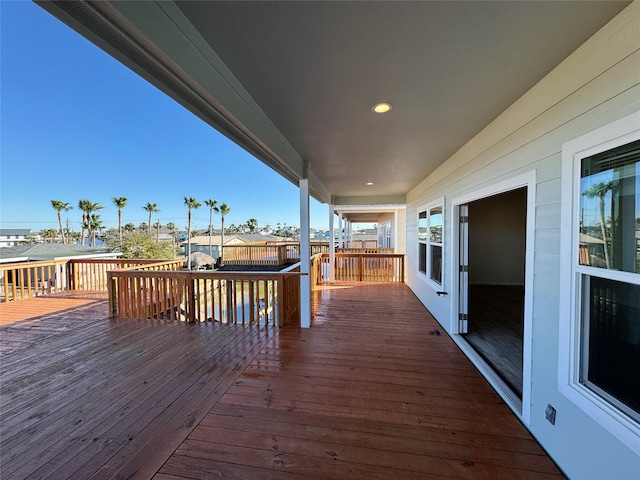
(10, 237)
(505, 124)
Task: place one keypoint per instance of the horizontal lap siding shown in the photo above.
(597, 84)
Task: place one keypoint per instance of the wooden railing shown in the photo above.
(30, 279)
(359, 244)
(261, 298)
(152, 289)
(283, 253)
(91, 274)
(364, 250)
(268, 253)
(359, 267)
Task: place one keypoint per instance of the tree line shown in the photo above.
(92, 223)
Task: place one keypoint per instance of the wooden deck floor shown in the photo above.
(367, 392)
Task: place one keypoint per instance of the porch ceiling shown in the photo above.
(294, 82)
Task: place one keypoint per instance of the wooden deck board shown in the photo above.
(367, 392)
(93, 393)
(12, 312)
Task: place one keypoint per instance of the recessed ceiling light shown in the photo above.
(382, 107)
(369, 183)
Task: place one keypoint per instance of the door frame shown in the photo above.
(521, 408)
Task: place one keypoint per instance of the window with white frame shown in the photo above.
(603, 339)
(430, 233)
(609, 242)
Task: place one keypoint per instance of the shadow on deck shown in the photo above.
(367, 392)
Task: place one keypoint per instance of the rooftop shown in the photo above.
(49, 251)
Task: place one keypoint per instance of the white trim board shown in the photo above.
(527, 180)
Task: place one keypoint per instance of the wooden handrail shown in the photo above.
(360, 267)
(268, 253)
(364, 250)
(226, 297)
(29, 279)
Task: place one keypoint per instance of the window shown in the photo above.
(609, 237)
(422, 242)
(600, 276)
(430, 223)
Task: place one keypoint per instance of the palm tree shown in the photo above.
(213, 205)
(48, 234)
(95, 224)
(191, 204)
(252, 224)
(83, 205)
(72, 237)
(129, 227)
(224, 210)
(600, 190)
(172, 231)
(157, 226)
(120, 202)
(151, 208)
(87, 207)
(59, 206)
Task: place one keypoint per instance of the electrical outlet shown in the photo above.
(550, 414)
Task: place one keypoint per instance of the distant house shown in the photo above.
(10, 237)
(163, 234)
(200, 243)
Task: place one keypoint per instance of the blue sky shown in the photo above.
(76, 124)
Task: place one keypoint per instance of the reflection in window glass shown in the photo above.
(610, 209)
(611, 342)
(422, 258)
(436, 263)
(435, 224)
(422, 226)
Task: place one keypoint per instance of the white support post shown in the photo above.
(305, 256)
(394, 238)
(340, 232)
(332, 245)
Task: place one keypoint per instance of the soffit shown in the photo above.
(294, 82)
(448, 68)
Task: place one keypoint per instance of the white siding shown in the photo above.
(597, 84)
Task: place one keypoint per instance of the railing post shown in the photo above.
(112, 288)
(231, 312)
(252, 307)
(283, 300)
(191, 300)
(282, 254)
